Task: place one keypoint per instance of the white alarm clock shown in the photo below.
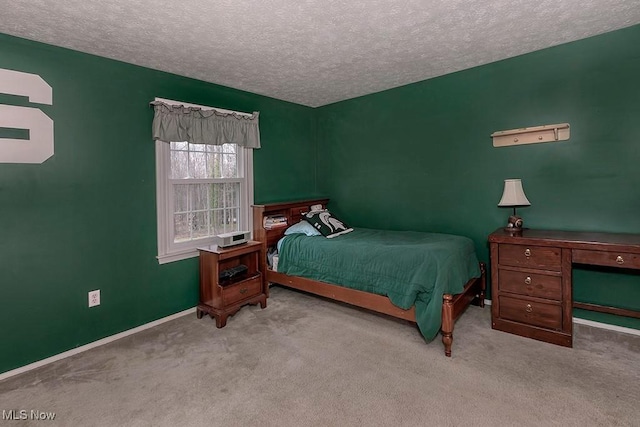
(231, 239)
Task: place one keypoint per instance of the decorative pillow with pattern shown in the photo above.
(326, 223)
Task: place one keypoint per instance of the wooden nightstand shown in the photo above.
(220, 297)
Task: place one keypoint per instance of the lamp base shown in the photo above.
(515, 232)
(514, 223)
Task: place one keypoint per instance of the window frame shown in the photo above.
(168, 250)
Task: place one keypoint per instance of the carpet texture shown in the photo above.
(305, 361)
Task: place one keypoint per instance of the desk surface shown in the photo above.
(570, 239)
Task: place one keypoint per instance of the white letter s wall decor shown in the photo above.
(39, 146)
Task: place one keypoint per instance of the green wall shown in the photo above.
(416, 157)
(420, 157)
(86, 218)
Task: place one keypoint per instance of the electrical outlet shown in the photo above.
(94, 298)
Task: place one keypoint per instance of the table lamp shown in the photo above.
(513, 196)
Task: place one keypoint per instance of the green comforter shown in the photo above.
(411, 268)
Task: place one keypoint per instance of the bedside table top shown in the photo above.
(218, 250)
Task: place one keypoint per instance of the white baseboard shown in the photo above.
(94, 344)
(607, 326)
(600, 325)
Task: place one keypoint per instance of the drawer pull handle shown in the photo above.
(527, 280)
(620, 260)
(527, 252)
(243, 290)
(529, 308)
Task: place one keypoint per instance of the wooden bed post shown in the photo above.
(447, 323)
(259, 234)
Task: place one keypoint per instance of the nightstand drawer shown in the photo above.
(540, 257)
(535, 285)
(531, 312)
(241, 290)
(611, 259)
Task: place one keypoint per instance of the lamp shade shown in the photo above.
(513, 194)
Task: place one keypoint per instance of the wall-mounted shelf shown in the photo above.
(532, 135)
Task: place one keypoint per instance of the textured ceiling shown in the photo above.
(312, 52)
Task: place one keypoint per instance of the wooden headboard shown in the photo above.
(292, 210)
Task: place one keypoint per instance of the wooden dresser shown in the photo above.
(531, 275)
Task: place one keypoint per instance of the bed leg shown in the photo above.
(483, 283)
(447, 323)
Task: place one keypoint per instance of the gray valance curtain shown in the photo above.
(179, 123)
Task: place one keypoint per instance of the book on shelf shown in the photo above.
(274, 221)
(271, 227)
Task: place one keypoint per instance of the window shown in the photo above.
(202, 190)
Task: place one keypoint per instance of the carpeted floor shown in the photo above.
(305, 361)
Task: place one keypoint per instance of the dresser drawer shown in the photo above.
(241, 290)
(540, 257)
(535, 285)
(531, 312)
(610, 259)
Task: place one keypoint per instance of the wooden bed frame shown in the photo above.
(452, 305)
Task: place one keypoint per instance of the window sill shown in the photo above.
(177, 256)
